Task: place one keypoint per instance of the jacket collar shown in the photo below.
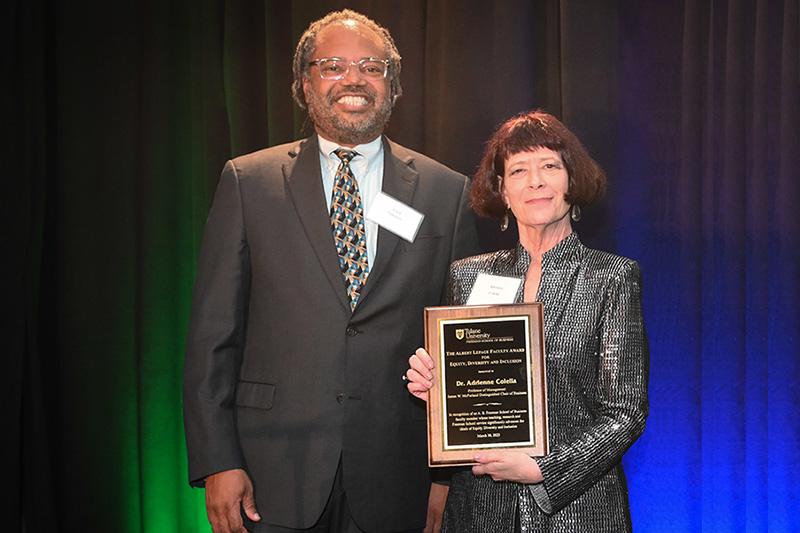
(304, 183)
(400, 179)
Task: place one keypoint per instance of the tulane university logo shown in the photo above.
(460, 334)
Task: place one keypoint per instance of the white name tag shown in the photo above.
(489, 289)
(395, 216)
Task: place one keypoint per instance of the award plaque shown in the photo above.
(489, 388)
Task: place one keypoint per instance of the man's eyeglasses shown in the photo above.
(336, 68)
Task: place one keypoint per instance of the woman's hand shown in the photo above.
(420, 375)
(507, 466)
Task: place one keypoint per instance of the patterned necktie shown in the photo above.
(347, 223)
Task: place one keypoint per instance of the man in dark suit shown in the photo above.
(308, 302)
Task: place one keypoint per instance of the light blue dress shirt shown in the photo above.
(367, 168)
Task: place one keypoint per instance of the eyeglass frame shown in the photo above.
(349, 64)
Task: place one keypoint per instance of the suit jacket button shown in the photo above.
(340, 397)
(352, 332)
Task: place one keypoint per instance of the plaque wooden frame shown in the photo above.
(527, 322)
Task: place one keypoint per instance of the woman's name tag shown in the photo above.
(491, 290)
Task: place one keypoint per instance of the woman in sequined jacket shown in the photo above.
(596, 350)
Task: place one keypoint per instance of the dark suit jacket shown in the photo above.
(281, 378)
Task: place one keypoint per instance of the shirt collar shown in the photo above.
(568, 249)
(369, 150)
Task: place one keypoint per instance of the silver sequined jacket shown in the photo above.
(597, 366)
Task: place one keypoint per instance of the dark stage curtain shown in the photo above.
(120, 115)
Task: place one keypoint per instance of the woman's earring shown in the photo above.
(575, 212)
(504, 220)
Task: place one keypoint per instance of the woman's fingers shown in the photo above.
(418, 368)
(417, 391)
(424, 357)
(415, 377)
(420, 374)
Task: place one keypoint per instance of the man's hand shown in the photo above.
(226, 492)
(436, 501)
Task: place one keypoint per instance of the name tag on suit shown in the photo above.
(395, 216)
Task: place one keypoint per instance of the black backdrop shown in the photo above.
(119, 117)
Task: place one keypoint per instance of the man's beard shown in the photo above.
(362, 129)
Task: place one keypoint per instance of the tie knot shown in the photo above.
(345, 155)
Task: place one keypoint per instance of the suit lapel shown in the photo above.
(399, 181)
(304, 181)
